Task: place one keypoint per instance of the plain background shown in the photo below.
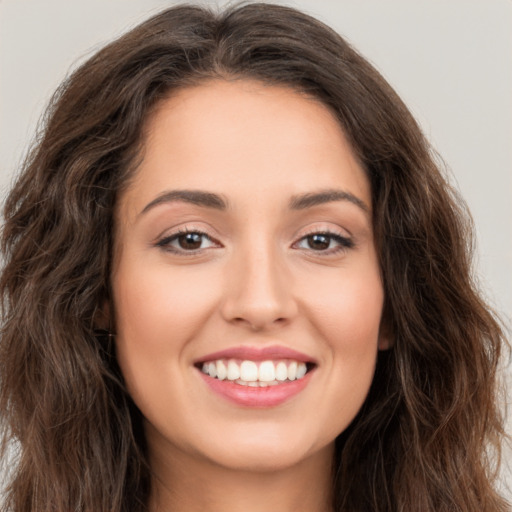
(451, 62)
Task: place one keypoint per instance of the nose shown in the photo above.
(258, 290)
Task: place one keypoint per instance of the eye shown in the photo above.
(186, 241)
(324, 242)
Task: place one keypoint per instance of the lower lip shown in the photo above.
(269, 396)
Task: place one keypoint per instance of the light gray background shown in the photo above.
(451, 61)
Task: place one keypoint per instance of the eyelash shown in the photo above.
(344, 243)
(165, 242)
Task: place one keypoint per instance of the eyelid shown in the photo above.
(163, 241)
(344, 242)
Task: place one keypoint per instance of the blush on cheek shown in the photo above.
(351, 315)
(163, 301)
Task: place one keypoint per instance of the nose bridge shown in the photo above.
(258, 291)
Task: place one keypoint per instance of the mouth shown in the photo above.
(256, 377)
(256, 373)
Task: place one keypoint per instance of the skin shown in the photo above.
(255, 280)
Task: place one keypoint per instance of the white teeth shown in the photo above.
(266, 373)
(292, 371)
(249, 371)
(257, 384)
(301, 370)
(212, 369)
(233, 371)
(281, 371)
(222, 371)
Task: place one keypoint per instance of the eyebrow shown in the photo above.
(217, 202)
(197, 197)
(308, 200)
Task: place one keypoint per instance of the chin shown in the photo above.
(260, 461)
(265, 450)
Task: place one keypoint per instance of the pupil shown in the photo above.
(190, 241)
(319, 241)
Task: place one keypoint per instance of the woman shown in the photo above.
(235, 279)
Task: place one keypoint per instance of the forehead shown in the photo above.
(244, 138)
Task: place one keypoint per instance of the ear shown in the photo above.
(386, 335)
(102, 319)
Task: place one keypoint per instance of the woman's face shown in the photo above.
(245, 256)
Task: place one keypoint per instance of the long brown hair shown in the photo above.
(428, 436)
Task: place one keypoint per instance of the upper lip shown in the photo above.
(252, 353)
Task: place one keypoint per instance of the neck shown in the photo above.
(189, 484)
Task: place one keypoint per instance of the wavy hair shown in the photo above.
(428, 435)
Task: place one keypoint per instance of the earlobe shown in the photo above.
(101, 317)
(385, 342)
(386, 336)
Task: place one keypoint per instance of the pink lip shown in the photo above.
(259, 397)
(269, 396)
(257, 354)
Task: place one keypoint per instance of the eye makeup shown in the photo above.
(190, 241)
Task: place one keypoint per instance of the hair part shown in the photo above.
(428, 431)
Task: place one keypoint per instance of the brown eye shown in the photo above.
(190, 241)
(186, 241)
(327, 243)
(318, 242)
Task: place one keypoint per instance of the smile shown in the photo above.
(255, 374)
(256, 377)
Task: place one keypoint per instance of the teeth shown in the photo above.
(249, 373)
(281, 371)
(222, 371)
(233, 371)
(292, 371)
(267, 372)
(301, 370)
(257, 384)
(212, 369)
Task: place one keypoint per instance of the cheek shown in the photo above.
(158, 312)
(156, 304)
(347, 308)
(345, 311)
